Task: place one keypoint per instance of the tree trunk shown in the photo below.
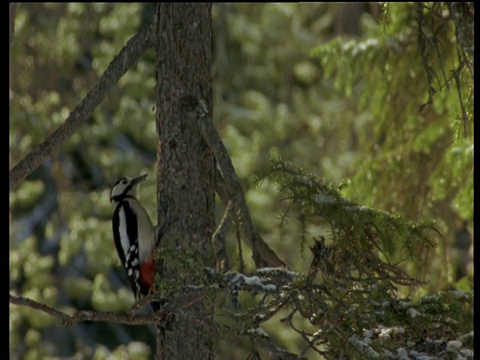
(185, 188)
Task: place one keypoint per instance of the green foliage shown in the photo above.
(357, 229)
(349, 304)
(457, 174)
(395, 70)
(415, 86)
(387, 112)
(62, 251)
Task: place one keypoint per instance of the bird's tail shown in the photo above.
(156, 305)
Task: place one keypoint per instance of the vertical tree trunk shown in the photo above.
(185, 188)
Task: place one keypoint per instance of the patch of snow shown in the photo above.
(258, 331)
(386, 332)
(325, 199)
(467, 353)
(465, 337)
(455, 344)
(254, 281)
(429, 298)
(368, 333)
(276, 270)
(412, 313)
(405, 304)
(421, 356)
(451, 321)
(460, 295)
(402, 354)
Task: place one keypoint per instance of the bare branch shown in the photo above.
(263, 256)
(277, 352)
(241, 262)
(305, 335)
(125, 59)
(456, 74)
(87, 315)
(218, 239)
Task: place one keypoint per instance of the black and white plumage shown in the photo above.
(134, 236)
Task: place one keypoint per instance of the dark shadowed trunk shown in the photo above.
(185, 190)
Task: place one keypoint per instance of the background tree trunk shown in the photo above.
(185, 188)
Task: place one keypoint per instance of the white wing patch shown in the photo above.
(146, 233)
(123, 231)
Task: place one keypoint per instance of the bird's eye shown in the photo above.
(124, 181)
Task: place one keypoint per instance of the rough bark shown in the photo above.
(186, 168)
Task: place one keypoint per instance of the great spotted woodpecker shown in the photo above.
(134, 236)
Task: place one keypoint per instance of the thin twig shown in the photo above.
(303, 334)
(241, 262)
(459, 92)
(422, 39)
(218, 239)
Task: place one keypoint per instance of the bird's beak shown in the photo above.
(139, 179)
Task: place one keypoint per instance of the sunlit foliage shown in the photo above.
(374, 101)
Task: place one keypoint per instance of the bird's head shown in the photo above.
(125, 187)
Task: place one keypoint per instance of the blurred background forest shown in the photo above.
(350, 92)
